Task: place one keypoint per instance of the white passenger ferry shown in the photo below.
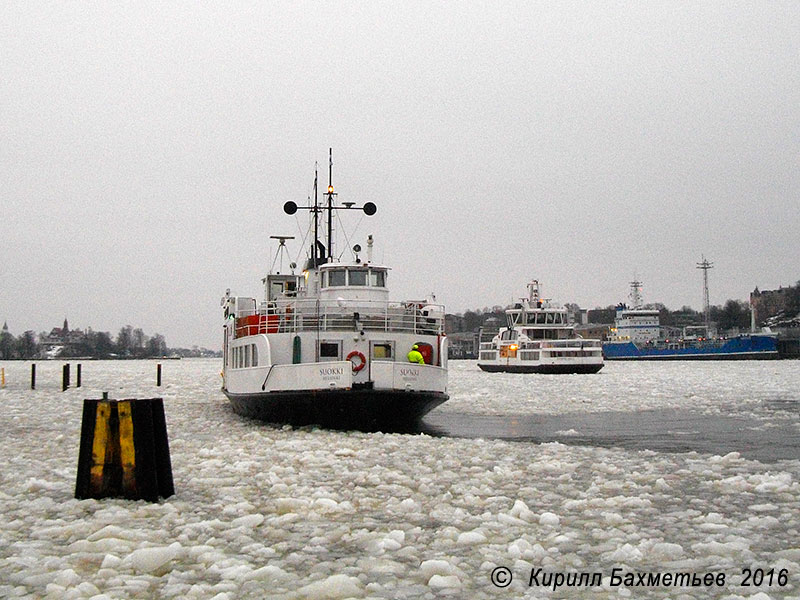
(539, 339)
(327, 346)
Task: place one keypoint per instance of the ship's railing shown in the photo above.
(342, 315)
(558, 344)
(573, 343)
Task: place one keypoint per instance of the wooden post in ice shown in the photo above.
(124, 451)
(3, 377)
(33, 376)
(65, 378)
(78, 376)
(158, 375)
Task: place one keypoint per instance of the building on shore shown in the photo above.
(771, 303)
(60, 338)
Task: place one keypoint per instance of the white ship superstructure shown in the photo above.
(539, 338)
(634, 323)
(328, 346)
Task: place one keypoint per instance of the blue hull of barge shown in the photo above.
(745, 347)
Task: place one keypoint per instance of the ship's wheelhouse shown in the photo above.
(361, 281)
(340, 276)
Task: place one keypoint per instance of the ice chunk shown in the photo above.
(148, 560)
(110, 562)
(732, 549)
(40, 485)
(759, 596)
(521, 511)
(87, 589)
(237, 573)
(398, 535)
(393, 541)
(667, 550)
(548, 518)
(780, 482)
(248, 521)
(332, 588)
(408, 505)
(67, 578)
(326, 504)
(471, 537)
(626, 554)
(432, 567)
(442, 581)
(268, 573)
(116, 532)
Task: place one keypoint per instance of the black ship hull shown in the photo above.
(542, 369)
(354, 409)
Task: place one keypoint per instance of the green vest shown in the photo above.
(416, 357)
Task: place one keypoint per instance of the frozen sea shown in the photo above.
(655, 469)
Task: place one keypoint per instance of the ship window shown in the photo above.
(255, 355)
(382, 350)
(549, 317)
(358, 277)
(330, 350)
(336, 278)
(377, 279)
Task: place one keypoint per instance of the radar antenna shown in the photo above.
(281, 250)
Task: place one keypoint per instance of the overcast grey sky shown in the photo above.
(147, 150)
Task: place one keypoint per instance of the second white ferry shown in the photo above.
(539, 339)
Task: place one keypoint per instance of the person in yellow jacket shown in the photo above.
(415, 356)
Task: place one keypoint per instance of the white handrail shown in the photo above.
(343, 315)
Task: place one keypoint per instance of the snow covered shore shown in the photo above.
(263, 512)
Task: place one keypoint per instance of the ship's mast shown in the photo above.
(533, 292)
(319, 253)
(330, 203)
(636, 293)
(705, 266)
(315, 250)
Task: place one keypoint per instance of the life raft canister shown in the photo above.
(360, 365)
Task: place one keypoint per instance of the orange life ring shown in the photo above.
(361, 357)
